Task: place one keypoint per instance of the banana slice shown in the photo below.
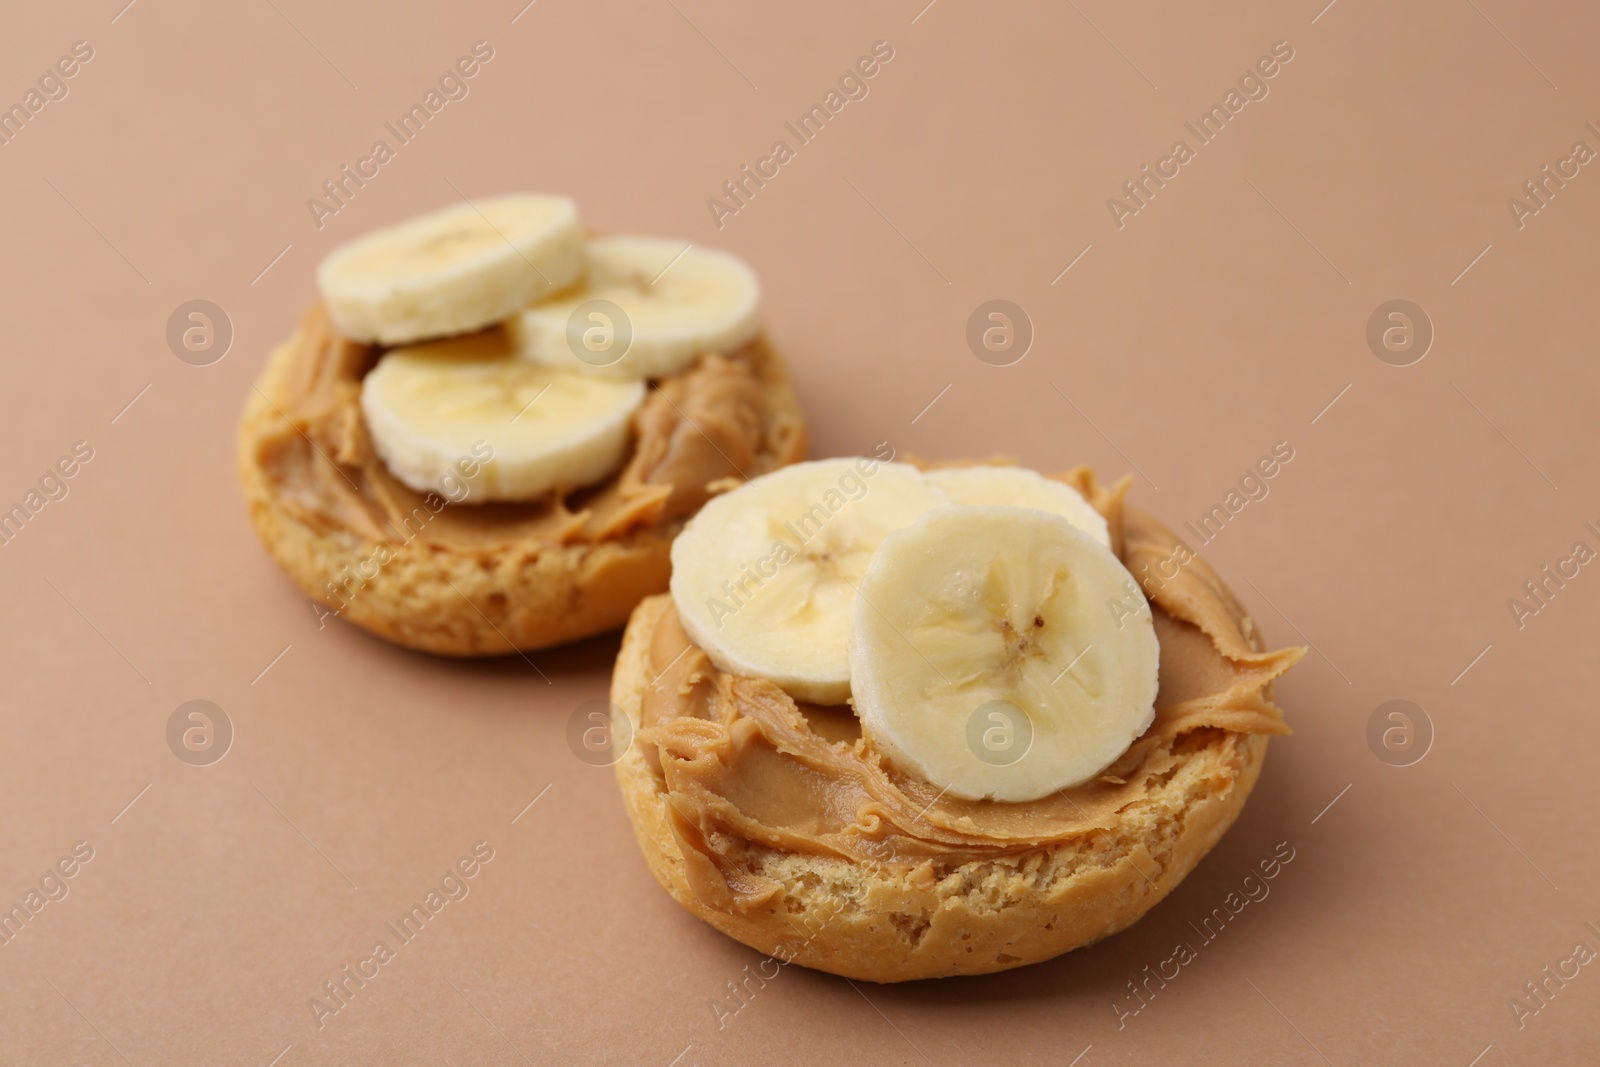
(452, 271)
(996, 654)
(647, 308)
(466, 418)
(764, 576)
(1023, 488)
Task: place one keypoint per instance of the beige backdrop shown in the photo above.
(1223, 316)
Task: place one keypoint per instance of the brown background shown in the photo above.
(1223, 318)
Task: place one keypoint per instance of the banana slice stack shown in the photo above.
(515, 337)
(976, 618)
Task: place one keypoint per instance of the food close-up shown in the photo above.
(484, 436)
(694, 534)
(919, 734)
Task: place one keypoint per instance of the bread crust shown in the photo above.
(461, 601)
(884, 924)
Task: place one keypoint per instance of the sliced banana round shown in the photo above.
(999, 653)
(1023, 488)
(764, 576)
(465, 418)
(647, 308)
(454, 270)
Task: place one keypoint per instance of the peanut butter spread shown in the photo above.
(694, 428)
(740, 761)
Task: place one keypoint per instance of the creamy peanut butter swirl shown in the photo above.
(695, 428)
(742, 762)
